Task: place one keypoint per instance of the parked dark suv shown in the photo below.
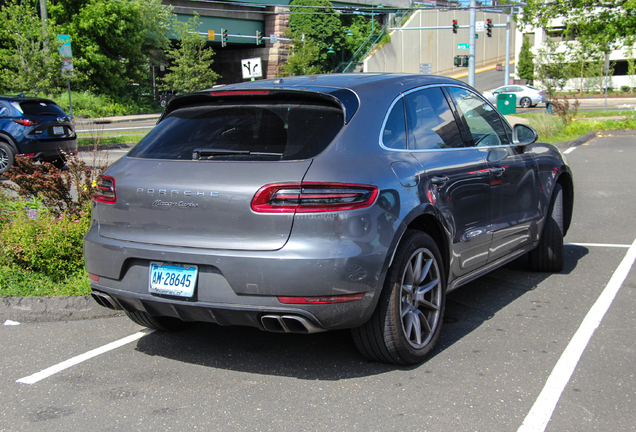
(34, 127)
(314, 203)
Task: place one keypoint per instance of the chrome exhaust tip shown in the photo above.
(105, 300)
(289, 324)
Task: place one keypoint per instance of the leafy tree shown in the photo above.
(302, 58)
(319, 24)
(584, 57)
(601, 22)
(550, 68)
(191, 68)
(29, 59)
(525, 66)
(112, 40)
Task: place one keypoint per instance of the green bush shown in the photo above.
(90, 105)
(626, 89)
(15, 281)
(38, 241)
(546, 125)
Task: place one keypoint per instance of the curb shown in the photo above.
(50, 309)
(104, 147)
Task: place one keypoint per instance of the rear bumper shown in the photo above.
(240, 287)
(49, 150)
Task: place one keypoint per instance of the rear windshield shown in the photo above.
(257, 131)
(41, 108)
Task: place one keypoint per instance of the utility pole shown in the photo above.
(471, 42)
(43, 11)
(507, 69)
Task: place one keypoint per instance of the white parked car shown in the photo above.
(527, 96)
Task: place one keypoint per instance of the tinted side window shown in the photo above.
(394, 133)
(483, 121)
(430, 121)
(4, 110)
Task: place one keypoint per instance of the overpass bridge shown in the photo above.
(243, 20)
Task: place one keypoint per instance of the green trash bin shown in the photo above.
(507, 103)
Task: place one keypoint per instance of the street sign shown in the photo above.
(273, 38)
(479, 26)
(66, 53)
(251, 68)
(463, 46)
(211, 35)
(426, 68)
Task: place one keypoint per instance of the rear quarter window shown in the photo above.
(255, 131)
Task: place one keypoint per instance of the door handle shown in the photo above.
(498, 170)
(439, 180)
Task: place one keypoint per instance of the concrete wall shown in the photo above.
(409, 48)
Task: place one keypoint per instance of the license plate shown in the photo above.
(58, 130)
(173, 279)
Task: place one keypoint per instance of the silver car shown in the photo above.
(527, 96)
(305, 204)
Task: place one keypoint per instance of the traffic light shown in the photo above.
(465, 61)
(489, 27)
(455, 26)
(457, 61)
(223, 38)
(259, 37)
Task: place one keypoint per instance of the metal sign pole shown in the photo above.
(70, 102)
(471, 41)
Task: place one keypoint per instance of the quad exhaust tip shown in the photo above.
(289, 324)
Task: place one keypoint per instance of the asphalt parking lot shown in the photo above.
(519, 351)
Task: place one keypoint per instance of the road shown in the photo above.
(505, 336)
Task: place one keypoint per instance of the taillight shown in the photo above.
(313, 197)
(321, 300)
(27, 122)
(106, 192)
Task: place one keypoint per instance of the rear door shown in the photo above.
(513, 175)
(458, 176)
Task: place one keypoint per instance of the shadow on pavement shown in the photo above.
(332, 356)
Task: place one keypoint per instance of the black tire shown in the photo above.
(7, 158)
(548, 256)
(168, 324)
(525, 102)
(405, 327)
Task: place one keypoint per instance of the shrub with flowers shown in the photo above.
(44, 214)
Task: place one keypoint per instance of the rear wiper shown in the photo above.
(198, 153)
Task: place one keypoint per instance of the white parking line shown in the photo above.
(570, 150)
(541, 412)
(599, 245)
(32, 379)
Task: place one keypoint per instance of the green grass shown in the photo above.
(18, 282)
(122, 139)
(551, 128)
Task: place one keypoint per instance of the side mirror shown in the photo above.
(523, 135)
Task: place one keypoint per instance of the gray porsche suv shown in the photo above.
(305, 204)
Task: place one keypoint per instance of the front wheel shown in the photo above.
(525, 102)
(168, 324)
(408, 318)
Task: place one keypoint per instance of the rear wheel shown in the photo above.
(158, 323)
(407, 321)
(548, 256)
(6, 158)
(525, 102)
